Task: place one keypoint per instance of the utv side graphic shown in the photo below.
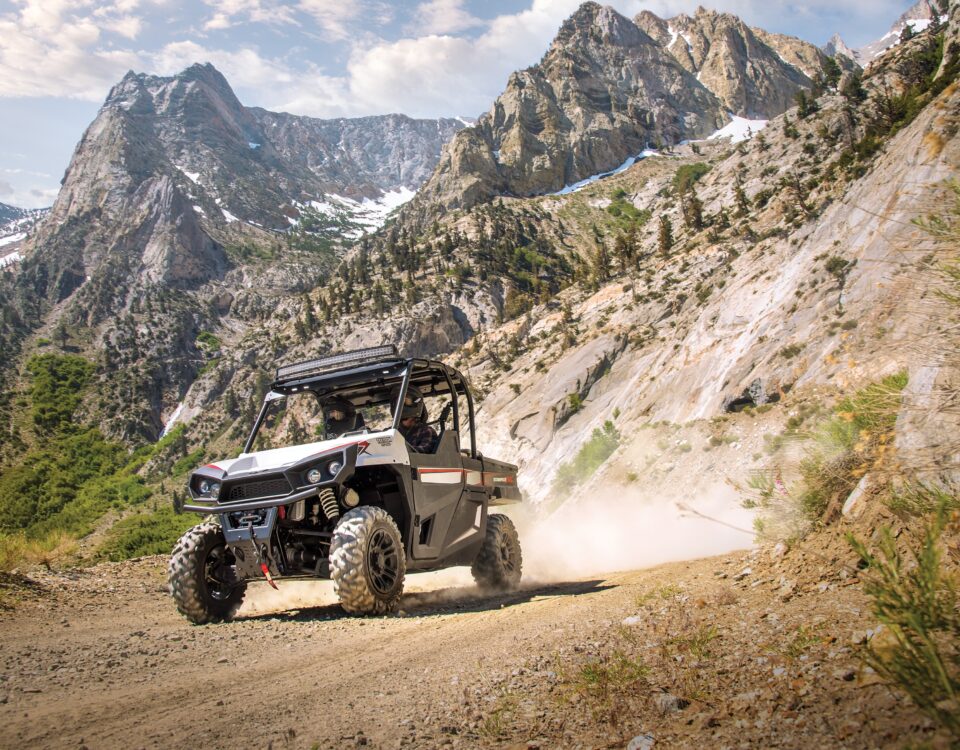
(359, 507)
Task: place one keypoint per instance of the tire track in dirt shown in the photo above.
(142, 676)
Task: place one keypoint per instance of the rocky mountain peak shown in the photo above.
(920, 15)
(836, 46)
(594, 23)
(754, 73)
(603, 93)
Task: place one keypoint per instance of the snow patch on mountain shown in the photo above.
(194, 177)
(8, 260)
(352, 218)
(628, 162)
(739, 129)
(172, 421)
(12, 238)
(674, 35)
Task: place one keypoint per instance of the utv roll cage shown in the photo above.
(366, 377)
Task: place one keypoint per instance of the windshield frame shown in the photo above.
(377, 378)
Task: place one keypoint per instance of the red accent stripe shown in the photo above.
(363, 444)
(213, 466)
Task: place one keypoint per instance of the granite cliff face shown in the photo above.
(610, 87)
(175, 210)
(755, 74)
(604, 91)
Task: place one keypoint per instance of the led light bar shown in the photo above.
(336, 362)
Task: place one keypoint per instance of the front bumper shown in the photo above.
(273, 502)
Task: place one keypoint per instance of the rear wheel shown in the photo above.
(367, 561)
(201, 576)
(499, 563)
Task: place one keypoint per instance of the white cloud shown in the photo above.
(77, 48)
(48, 49)
(442, 17)
(438, 75)
(334, 17)
(229, 13)
(6, 189)
(128, 26)
(242, 68)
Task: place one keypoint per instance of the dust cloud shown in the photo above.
(420, 589)
(618, 528)
(614, 528)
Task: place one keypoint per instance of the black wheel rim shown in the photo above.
(506, 556)
(217, 574)
(383, 562)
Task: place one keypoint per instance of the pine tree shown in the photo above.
(665, 235)
(853, 89)
(379, 299)
(743, 203)
(692, 208)
(806, 106)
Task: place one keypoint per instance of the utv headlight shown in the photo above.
(314, 476)
(209, 488)
(334, 468)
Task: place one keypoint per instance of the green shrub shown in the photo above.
(917, 602)
(688, 175)
(601, 445)
(49, 479)
(188, 462)
(848, 444)
(628, 216)
(920, 499)
(58, 383)
(146, 534)
(208, 341)
(857, 438)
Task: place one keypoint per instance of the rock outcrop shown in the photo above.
(605, 90)
(755, 74)
(608, 88)
(918, 17)
(176, 195)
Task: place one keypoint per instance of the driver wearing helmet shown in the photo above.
(413, 420)
(340, 416)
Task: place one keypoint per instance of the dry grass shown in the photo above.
(17, 551)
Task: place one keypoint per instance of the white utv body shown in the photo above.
(361, 508)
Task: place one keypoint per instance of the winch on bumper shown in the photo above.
(249, 502)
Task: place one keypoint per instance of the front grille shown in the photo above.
(259, 488)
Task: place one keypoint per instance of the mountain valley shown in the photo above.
(721, 341)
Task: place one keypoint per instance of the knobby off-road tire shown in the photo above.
(499, 564)
(367, 561)
(196, 576)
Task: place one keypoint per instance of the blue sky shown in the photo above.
(325, 58)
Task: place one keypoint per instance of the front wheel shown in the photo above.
(367, 561)
(201, 576)
(499, 563)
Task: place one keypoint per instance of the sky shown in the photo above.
(323, 58)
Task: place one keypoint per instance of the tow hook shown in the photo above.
(263, 565)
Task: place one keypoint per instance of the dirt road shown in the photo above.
(100, 659)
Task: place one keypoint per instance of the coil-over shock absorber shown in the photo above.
(328, 501)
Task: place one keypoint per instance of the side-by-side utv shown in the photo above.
(358, 505)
